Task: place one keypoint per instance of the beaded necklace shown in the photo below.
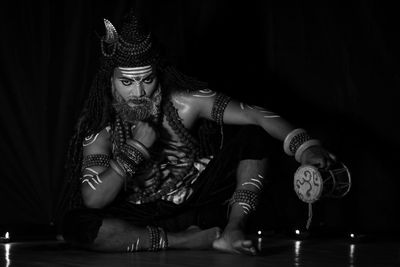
(191, 148)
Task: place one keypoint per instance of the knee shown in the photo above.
(80, 227)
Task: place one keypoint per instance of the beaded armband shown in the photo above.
(96, 160)
(297, 141)
(157, 238)
(246, 199)
(218, 109)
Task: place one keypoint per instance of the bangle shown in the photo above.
(117, 168)
(139, 146)
(304, 146)
(294, 140)
(129, 158)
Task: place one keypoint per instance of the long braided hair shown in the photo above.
(97, 113)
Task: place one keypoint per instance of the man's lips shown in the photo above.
(136, 102)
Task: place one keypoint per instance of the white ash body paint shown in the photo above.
(265, 113)
(256, 182)
(92, 178)
(246, 207)
(90, 139)
(205, 93)
(134, 247)
(137, 74)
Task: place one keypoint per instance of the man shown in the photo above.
(145, 181)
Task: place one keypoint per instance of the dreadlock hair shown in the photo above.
(96, 113)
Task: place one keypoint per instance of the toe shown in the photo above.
(245, 247)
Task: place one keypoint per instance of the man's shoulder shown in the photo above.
(101, 136)
(193, 94)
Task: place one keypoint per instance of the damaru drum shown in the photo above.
(311, 183)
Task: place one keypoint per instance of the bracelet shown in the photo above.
(132, 154)
(294, 140)
(139, 146)
(304, 146)
(127, 164)
(117, 168)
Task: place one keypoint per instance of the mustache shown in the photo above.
(136, 109)
(131, 103)
(139, 100)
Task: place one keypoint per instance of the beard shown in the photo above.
(139, 108)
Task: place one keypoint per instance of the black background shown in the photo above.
(331, 69)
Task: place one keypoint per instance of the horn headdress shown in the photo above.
(132, 48)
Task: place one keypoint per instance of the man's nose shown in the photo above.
(137, 90)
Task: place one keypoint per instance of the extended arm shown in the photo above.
(297, 143)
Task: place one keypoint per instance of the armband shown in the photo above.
(218, 109)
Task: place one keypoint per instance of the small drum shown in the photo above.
(311, 183)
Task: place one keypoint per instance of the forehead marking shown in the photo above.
(136, 71)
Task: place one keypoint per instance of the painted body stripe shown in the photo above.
(90, 184)
(206, 93)
(253, 184)
(272, 116)
(256, 180)
(135, 69)
(90, 139)
(211, 95)
(89, 169)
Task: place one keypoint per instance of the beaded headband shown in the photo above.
(133, 47)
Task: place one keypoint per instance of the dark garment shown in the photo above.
(207, 207)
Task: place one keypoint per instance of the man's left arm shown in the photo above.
(297, 142)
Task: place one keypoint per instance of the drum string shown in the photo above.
(310, 214)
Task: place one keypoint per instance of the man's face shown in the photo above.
(136, 92)
(133, 83)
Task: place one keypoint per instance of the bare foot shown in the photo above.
(194, 238)
(234, 241)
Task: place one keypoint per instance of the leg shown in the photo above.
(117, 235)
(87, 229)
(248, 153)
(250, 176)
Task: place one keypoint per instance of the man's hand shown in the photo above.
(318, 156)
(144, 133)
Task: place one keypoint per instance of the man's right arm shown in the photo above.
(99, 184)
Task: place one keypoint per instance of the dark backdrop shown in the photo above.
(329, 68)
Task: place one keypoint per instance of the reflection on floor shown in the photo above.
(275, 251)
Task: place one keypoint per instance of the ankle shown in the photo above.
(235, 223)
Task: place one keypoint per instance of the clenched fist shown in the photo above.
(318, 156)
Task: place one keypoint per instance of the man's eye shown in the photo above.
(148, 79)
(126, 82)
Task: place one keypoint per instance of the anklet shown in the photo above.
(246, 199)
(157, 238)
